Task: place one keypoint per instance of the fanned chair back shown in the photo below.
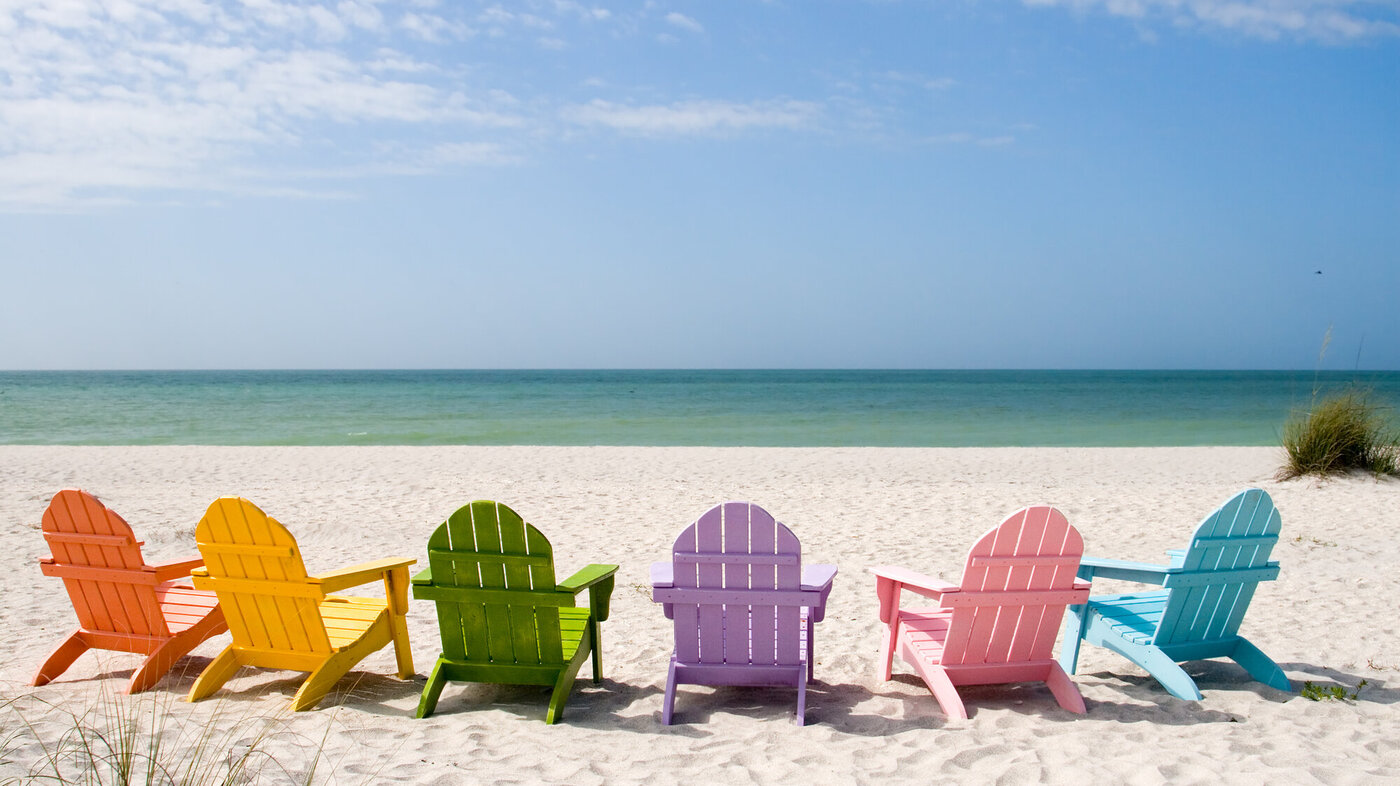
(745, 570)
(256, 570)
(1227, 558)
(1009, 609)
(493, 580)
(99, 559)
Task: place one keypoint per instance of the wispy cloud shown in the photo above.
(1324, 20)
(101, 100)
(676, 19)
(689, 118)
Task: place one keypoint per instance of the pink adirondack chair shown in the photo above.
(743, 604)
(122, 603)
(999, 625)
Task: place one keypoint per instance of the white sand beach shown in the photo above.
(1331, 617)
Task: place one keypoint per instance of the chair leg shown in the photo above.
(564, 684)
(403, 656)
(61, 658)
(885, 667)
(1066, 692)
(328, 674)
(1073, 637)
(396, 599)
(668, 703)
(1162, 668)
(596, 630)
(215, 674)
(160, 661)
(943, 689)
(1260, 666)
(801, 699)
(428, 702)
(811, 646)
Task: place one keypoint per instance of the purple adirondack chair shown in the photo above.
(743, 605)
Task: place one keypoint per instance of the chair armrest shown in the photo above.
(1145, 572)
(891, 581)
(424, 576)
(586, 578)
(176, 570)
(914, 581)
(363, 573)
(663, 574)
(1175, 557)
(818, 578)
(598, 580)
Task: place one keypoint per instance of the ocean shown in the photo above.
(756, 408)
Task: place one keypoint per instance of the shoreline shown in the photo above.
(1329, 618)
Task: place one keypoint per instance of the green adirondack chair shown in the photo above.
(503, 618)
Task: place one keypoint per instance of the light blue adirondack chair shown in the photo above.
(1207, 589)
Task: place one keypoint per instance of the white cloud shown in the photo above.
(694, 117)
(684, 22)
(593, 13)
(104, 102)
(1325, 20)
(434, 28)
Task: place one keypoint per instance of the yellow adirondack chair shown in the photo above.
(280, 617)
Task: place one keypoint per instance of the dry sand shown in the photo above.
(1330, 618)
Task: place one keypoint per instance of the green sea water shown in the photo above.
(759, 408)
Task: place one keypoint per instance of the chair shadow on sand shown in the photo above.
(1377, 689)
(364, 691)
(849, 708)
(839, 707)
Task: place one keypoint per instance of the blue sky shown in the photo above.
(824, 183)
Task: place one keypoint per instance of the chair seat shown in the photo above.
(1133, 617)
(573, 623)
(347, 618)
(182, 605)
(924, 630)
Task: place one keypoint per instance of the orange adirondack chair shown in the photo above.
(282, 618)
(122, 603)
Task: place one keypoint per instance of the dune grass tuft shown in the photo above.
(1344, 432)
(129, 740)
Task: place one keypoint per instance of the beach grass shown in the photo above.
(120, 740)
(1343, 432)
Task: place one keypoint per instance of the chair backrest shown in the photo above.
(99, 559)
(1017, 581)
(1227, 558)
(257, 573)
(493, 582)
(737, 596)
